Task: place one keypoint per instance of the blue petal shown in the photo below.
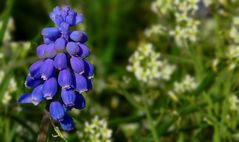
(58, 20)
(37, 95)
(79, 102)
(68, 97)
(56, 12)
(89, 84)
(67, 123)
(47, 69)
(47, 40)
(79, 19)
(79, 36)
(71, 18)
(63, 15)
(65, 79)
(34, 69)
(49, 88)
(80, 83)
(41, 50)
(60, 44)
(84, 51)
(25, 98)
(51, 32)
(66, 8)
(64, 27)
(50, 50)
(31, 82)
(57, 111)
(60, 61)
(72, 48)
(77, 65)
(89, 69)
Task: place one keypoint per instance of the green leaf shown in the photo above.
(6, 15)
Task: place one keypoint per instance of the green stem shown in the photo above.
(149, 118)
(44, 126)
(130, 99)
(5, 18)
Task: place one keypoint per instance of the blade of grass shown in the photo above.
(6, 16)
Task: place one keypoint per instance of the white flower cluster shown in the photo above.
(233, 49)
(2, 74)
(161, 6)
(96, 131)
(10, 27)
(187, 25)
(12, 87)
(233, 102)
(145, 63)
(154, 30)
(186, 85)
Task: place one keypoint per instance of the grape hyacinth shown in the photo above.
(62, 68)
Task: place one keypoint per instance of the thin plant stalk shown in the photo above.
(44, 126)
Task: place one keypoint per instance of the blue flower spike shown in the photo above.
(62, 69)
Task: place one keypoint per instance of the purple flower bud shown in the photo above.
(50, 51)
(41, 50)
(89, 69)
(84, 50)
(51, 32)
(77, 65)
(47, 69)
(80, 83)
(56, 12)
(72, 48)
(89, 84)
(58, 20)
(25, 98)
(31, 82)
(60, 44)
(67, 123)
(65, 8)
(79, 19)
(68, 97)
(57, 111)
(60, 61)
(79, 101)
(37, 95)
(71, 18)
(79, 36)
(64, 27)
(34, 69)
(47, 40)
(49, 88)
(65, 79)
